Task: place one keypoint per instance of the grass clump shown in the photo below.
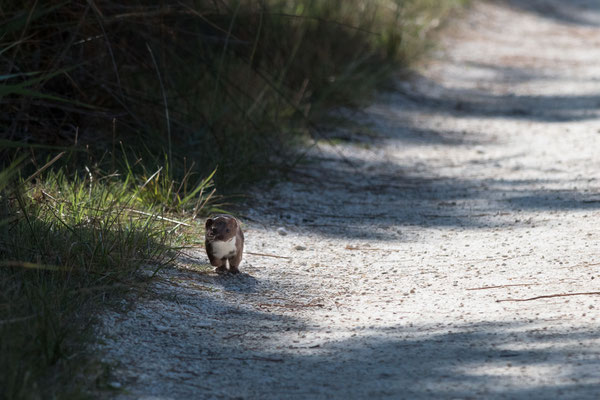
(146, 100)
(68, 245)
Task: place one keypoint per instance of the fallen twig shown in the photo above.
(465, 215)
(547, 296)
(502, 286)
(246, 359)
(350, 247)
(49, 196)
(158, 217)
(48, 164)
(266, 255)
(585, 264)
(290, 305)
(235, 335)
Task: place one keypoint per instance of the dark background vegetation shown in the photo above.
(206, 82)
(116, 115)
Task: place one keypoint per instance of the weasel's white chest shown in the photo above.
(224, 249)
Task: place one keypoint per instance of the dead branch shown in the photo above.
(235, 335)
(502, 286)
(350, 247)
(290, 305)
(547, 296)
(255, 358)
(267, 255)
(158, 217)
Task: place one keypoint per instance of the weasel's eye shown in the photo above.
(227, 230)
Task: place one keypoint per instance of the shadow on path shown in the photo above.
(575, 12)
(483, 104)
(425, 362)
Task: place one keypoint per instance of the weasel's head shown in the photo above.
(221, 227)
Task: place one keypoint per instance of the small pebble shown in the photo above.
(114, 385)
(282, 231)
(299, 247)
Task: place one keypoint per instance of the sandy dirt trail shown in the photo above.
(468, 187)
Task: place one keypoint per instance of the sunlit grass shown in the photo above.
(67, 245)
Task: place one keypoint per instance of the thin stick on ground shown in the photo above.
(158, 217)
(502, 286)
(548, 296)
(266, 255)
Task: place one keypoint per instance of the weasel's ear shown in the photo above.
(209, 223)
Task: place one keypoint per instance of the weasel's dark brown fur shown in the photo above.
(224, 242)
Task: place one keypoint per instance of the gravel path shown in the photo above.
(402, 253)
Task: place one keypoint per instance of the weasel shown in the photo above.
(224, 242)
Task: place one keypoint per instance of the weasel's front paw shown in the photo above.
(221, 269)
